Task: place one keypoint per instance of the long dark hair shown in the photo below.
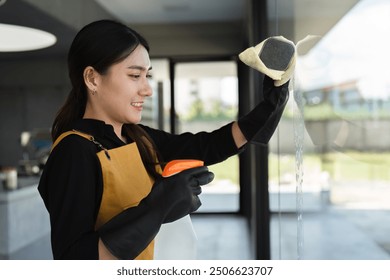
(101, 44)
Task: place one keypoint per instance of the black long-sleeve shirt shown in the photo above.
(71, 184)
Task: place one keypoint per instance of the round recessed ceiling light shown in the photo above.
(15, 38)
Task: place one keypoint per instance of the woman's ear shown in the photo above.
(90, 78)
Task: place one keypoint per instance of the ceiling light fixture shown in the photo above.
(16, 38)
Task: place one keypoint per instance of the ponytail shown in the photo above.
(73, 109)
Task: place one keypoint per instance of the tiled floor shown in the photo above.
(335, 234)
(223, 237)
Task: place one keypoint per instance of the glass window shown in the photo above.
(334, 201)
(206, 98)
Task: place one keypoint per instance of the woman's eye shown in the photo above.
(137, 76)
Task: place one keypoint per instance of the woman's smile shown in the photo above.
(137, 105)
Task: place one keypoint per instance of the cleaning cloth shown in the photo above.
(274, 57)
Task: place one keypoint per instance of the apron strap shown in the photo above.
(82, 134)
(67, 133)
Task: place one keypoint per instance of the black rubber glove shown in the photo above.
(130, 232)
(259, 125)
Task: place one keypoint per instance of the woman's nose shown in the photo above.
(146, 88)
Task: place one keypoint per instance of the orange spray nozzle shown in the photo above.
(175, 166)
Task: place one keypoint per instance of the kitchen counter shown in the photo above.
(26, 186)
(23, 217)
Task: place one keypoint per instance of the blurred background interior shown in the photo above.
(319, 190)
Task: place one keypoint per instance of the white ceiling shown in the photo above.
(174, 11)
(302, 16)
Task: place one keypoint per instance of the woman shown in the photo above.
(102, 183)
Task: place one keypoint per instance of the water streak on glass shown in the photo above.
(298, 140)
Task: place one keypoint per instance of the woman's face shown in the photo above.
(121, 91)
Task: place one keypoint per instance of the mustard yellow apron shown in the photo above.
(125, 182)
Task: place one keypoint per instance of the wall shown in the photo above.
(31, 92)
